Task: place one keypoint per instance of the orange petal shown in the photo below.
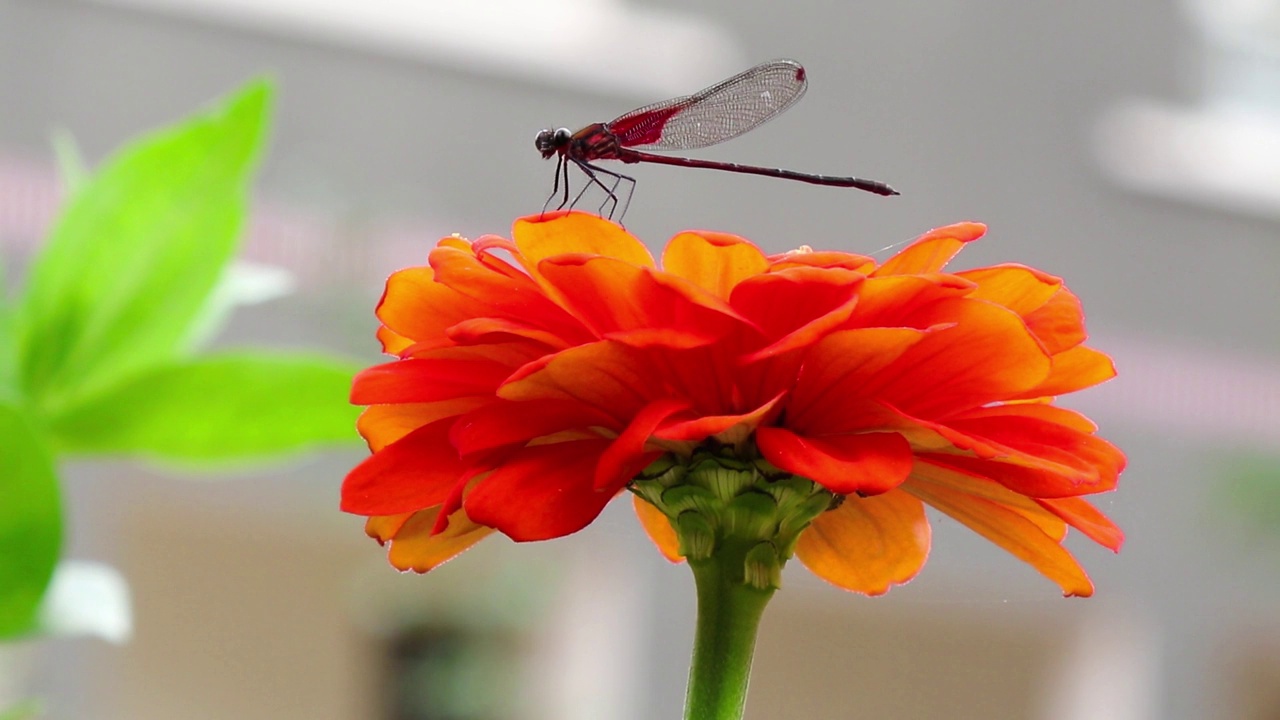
(1059, 323)
(659, 529)
(932, 251)
(575, 232)
(412, 473)
(1038, 411)
(417, 307)
(384, 527)
(1011, 531)
(392, 343)
(823, 259)
(496, 292)
(605, 375)
(836, 372)
(1017, 287)
(986, 356)
(415, 548)
(715, 262)
(381, 425)
(894, 300)
(1087, 519)
(868, 544)
(492, 331)
(1072, 370)
(987, 489)
(611, 296)
(869, 463)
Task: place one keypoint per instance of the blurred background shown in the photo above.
(1133, 148)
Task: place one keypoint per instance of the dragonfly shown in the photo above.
(708, 117)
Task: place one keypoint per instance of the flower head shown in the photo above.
(537, 378)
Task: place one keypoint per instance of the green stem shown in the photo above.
(729, 613)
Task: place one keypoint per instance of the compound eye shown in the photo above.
(563, 135)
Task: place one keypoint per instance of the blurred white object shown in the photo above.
(1111, 670)
(591, 45)
(1239, 58)
(87, 598)
(1224, 149)
(1228, 158)
(243, 283)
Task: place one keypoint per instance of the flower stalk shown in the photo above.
(729, 612)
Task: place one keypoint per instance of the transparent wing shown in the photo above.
(721, 112)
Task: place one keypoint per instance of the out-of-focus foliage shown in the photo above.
(1254, 490)
(98, 351)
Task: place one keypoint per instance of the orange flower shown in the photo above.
(528, 393)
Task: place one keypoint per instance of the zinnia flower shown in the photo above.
(537, 378)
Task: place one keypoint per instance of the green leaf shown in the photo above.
(9, 391)
(30, 521)
(137, 251)
(28, 710)
(223, 407)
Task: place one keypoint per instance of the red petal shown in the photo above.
(701, 428)
(542, 492)
(515, 423)
(418, 381)
(715, 262)
(627, 455)
(1011, 531)
(932, 251)
(869, 544)
(797, 307)
(410, 474)
(1038, 437)
(381, 425)
(869, 463)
